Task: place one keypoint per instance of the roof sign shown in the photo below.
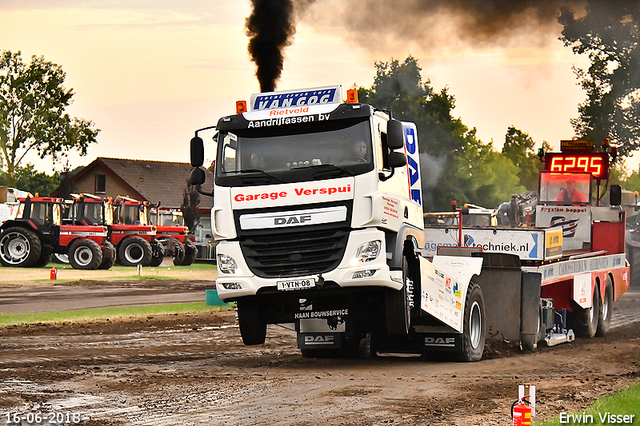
(296, 98)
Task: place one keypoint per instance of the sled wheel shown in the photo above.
(108, 255)
(604, 319)
(85, 254)
(584, 322)
(252, 327)
(134, 251)
(474, 325)
(398, 304)
(19, 247)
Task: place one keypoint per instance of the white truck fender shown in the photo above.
(443, 287)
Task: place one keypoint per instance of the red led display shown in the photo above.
(596, 163)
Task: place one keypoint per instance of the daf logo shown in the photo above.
(288, 220)
(440, 341)
(318, 339)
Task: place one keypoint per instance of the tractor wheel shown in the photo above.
(253, 329)
(157, 254)
(45, 257)
(134, 251)
(19, 247)
(190, 254)
(604, 319)
(108, 255)
(398, 304)
(178, 251)
(474, 329)
(584, 322)
(85, 254)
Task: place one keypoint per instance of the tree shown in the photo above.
(455, 164)
(32, 113)
(609, 34)
(189, 207)
(519, 147)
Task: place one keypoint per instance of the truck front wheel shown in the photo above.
(398, 304)
(474, 325)
(253, 329)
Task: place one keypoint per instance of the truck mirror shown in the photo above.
(197, 176)
(395, 135)
(615, 195)
(197, 151)
(397, 159)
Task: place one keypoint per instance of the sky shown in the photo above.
(149, 73)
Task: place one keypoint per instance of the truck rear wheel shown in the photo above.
(604, 317)
(85, 254)
(253, 329)
(584, 322)
(19, 247)
(398, 304)
(134, 251)
(474, 330)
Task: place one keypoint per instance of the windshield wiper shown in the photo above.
(326, 168)
(254, 171)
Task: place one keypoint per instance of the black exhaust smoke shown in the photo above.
(270, 28)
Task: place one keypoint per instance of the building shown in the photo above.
(153, 181)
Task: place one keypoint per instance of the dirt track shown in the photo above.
(193, 369)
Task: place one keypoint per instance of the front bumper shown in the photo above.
(349, 274)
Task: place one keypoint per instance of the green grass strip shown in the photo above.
(610, 409)
(83, 315)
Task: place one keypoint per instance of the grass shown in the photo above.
(83, 315)
(624, 402)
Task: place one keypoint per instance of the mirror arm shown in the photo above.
(200, 191)
(384, 177)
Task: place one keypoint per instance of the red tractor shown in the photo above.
(34, 231)
(134, 239)
(173, 234)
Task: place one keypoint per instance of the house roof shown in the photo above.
(148, 180)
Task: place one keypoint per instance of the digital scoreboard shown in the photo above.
(596, 163)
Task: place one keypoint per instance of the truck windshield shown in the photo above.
(294, 153)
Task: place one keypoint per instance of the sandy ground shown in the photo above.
(192, 369)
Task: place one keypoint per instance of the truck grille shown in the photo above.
(296, 253)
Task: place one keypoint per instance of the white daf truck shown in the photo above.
(318, 217)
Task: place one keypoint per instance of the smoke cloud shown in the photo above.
(380, 25)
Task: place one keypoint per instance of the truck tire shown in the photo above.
(134, 251)
(253, 329)
(85, 254)
(108, 255)
(634, 265)
(19, 247)
(584, 322)
(398, 304)
(530, 342)
(606, 304)
(190, 254)
(474, 331)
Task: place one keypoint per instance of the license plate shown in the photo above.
(296, 284)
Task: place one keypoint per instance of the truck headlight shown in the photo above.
(227, 264)
(368, 251)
